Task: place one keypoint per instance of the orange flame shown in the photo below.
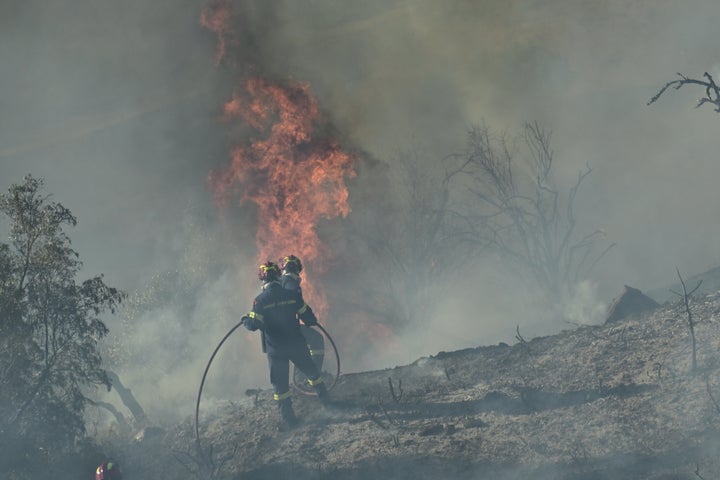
(295, 176)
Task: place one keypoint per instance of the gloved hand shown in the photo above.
(248, 323)
(310, 322)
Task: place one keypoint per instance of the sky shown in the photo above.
(117, 106)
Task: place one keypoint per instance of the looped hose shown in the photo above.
(202, 383)
(305, 391)
(201, 455)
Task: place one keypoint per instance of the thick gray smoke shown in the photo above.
(116, 105)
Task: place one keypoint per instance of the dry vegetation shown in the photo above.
(614, 402)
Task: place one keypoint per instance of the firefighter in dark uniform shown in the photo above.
(291, 267)
(275, 312)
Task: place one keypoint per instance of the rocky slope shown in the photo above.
(597, 402)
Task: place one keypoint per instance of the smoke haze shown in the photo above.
(117, 106)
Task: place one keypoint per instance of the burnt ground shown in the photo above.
(596, 402)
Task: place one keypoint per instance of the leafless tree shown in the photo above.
(712, 91)
(413, 239)
(517, 210)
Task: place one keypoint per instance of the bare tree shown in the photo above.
(712, 91)
(413, 239)
(517, 210)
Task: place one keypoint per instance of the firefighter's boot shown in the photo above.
(287, 412)
(323, 395)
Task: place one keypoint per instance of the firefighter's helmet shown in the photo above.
(291, 264)
(268, 271)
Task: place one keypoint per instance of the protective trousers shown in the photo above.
(279, 362)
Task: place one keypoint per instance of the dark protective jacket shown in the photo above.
(274, 313)
(290, 281)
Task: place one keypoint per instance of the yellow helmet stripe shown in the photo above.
(255, 315)
(302, 309)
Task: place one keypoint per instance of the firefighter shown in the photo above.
(291, 267)
(108, 471)
(275, 312)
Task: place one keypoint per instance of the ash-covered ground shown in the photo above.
(615, 401)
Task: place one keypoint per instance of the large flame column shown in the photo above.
(295, 175)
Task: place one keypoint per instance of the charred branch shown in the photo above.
(517, 210)
(712, 91)
(372, 411)
(387, 415)
(685, 296)
(396, 397)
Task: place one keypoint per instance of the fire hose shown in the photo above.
(212, 357)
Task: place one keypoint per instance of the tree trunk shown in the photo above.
(128, 399)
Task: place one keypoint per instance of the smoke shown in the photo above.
(168, 351)
(585, 70)
(116, 105)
